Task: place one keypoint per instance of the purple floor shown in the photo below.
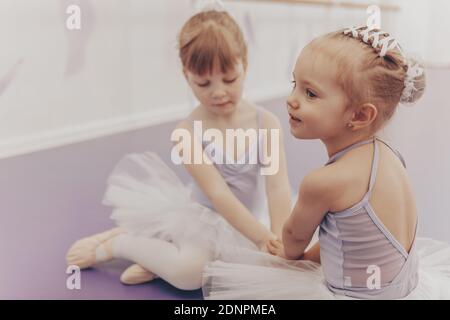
(50, 199)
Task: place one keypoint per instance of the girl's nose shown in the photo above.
(218, 93)
(292, 103)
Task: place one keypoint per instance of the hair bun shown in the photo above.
(415, 82)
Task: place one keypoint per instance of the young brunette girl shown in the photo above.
(169, 230)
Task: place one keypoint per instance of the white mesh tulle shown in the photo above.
(434, 270)
(149, 200)
(256, 275)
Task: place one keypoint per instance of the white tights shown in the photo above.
(182, 267)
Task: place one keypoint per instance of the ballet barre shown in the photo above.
(326, 3)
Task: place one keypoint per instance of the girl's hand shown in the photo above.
(264, 243)
(276, 248)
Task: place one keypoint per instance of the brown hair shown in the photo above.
(368, 77)
(209, 38)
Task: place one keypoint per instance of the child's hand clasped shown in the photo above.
(276, 248)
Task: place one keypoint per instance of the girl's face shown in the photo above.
(317, 105)
(219, 92)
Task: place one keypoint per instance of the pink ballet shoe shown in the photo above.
(135, 274)
(83, 252)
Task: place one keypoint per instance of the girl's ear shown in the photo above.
(363, 116)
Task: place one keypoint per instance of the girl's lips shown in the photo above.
(294, 121)
(221, 104)
(294, 118)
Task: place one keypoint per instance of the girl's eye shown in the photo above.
(294, 84)
(310, 94)
(203, 85)
(230, 81)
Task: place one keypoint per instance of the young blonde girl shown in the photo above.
(347, 85)
(169, 230)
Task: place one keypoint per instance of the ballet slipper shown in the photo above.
(135, 274)
(83, 253)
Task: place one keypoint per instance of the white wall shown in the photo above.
(75, 85)
(423, 28)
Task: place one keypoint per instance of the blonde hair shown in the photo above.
(211, 37)
(369, 77)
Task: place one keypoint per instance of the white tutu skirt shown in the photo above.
(262, 276)
(149, 200)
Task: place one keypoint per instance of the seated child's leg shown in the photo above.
(182, 267)
(88, 251)
(136, 274)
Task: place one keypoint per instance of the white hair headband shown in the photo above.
(206, 5)
(364, 33)
(414, 70)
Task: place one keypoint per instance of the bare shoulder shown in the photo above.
(186, 123)
(325, 184)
